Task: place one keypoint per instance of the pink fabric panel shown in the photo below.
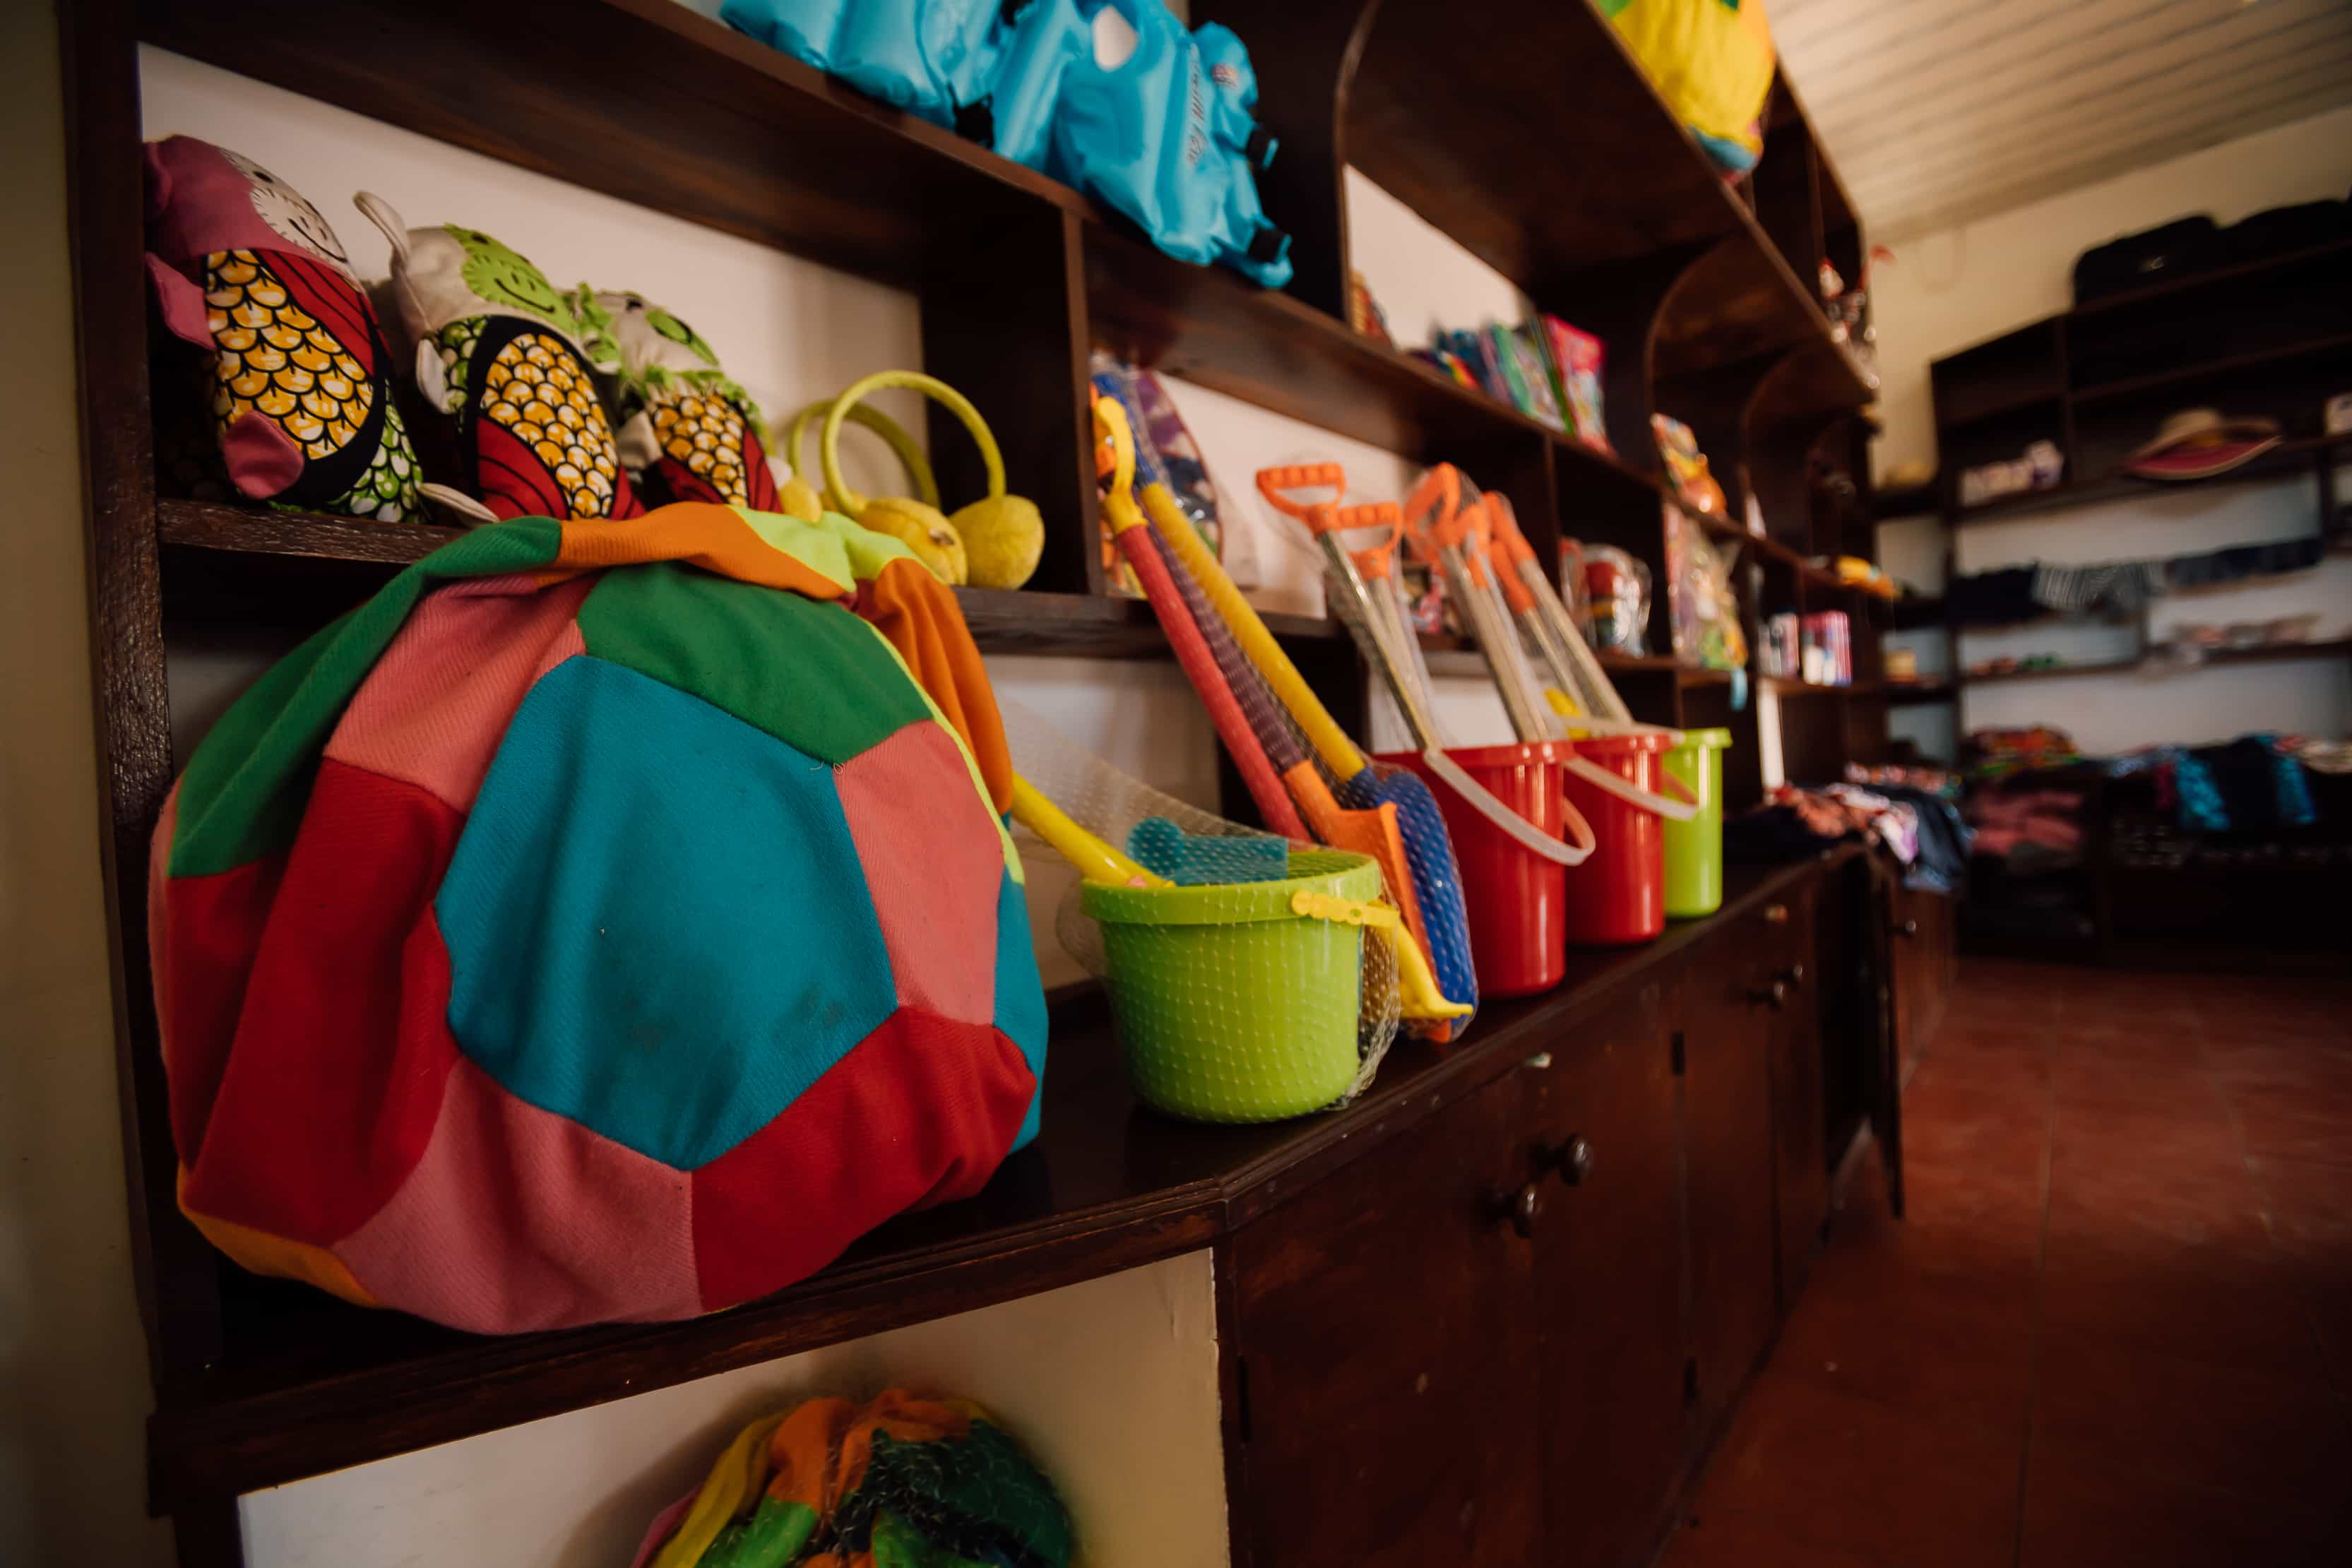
(433, 711)
(519, 1219)
(933, 864)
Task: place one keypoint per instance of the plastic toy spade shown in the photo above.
(1322, 519)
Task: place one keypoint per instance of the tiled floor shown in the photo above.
(2117, 1326)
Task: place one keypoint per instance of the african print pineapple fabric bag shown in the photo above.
(606, 921)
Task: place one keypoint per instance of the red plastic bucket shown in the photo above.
(1617, 896)
(1512, 898)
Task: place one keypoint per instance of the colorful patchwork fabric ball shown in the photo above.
(604, 922)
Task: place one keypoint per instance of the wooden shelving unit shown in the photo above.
(1704, 296)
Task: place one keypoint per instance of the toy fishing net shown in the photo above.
(1257, 981)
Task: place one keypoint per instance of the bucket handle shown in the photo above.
(1524, 834)
(1633, 794)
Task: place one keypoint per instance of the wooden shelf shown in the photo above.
(1207, 325)
(309, 1384)
(2251, 359)
(1433, 105)
(1781, 685)
(1002, 621)
(2288, 458)
(1909, 692)
(2268, 653)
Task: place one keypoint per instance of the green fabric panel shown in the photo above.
(772, 1538)
(818, 549)
(842, 691)
(898, 1544)
(869, 550)
(243, 792)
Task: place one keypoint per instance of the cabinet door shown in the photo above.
(1608, 1287)
(1801, 1178)
(1727, 1028)
(1384, 1325)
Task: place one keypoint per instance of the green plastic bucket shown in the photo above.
(1230, 1006)
(1695, 848)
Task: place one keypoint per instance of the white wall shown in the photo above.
(1111, 1385)
(1947, 290)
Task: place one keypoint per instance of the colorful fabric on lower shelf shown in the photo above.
(901, 1482)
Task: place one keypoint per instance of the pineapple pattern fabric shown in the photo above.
(538, 393)
(500, 350)
(688, 432)
(274, 358)
(295, 398)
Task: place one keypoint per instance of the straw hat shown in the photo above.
(2197, 443)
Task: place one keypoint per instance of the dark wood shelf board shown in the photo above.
(2053, 672)
(1434, 104)
(311, 1384)
(1210, 326)
(1911, 692)
(2053, 398)
(1781, 685)
(2284, 460)
(1002, 621)
(2189, 374)
(642, 99)
(2267, 653)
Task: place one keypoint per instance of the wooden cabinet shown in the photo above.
(1800, 1176)
(1727, 1028)
(1388, 1364)
(1505, 1334)
(1609, 1285)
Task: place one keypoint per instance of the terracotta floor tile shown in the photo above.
(2016, 1071)
(1970, 1261)
(2220, 1295)
(2291, 1121)
(2082, 1514)
(1941, 1364)
(2087, 1081)
(2186, 1422)
(1836, 1469)
(1726, 1540)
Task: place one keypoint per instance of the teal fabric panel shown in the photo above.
(656, 920)
(1020, 995)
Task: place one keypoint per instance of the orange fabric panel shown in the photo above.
(918, 613)
(699, 533)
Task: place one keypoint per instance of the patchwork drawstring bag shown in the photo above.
(607, 921)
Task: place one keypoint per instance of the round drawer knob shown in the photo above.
(1775, 995)
(1520, 1209)
(1573, 1159)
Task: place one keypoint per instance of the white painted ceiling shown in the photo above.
(1939, 112)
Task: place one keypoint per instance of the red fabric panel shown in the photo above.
(201, 934)
(343, 1046)
(921, 1110)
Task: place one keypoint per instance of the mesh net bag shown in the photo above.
(1256, 981)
